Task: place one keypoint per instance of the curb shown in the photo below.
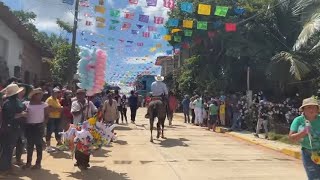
(287, 151)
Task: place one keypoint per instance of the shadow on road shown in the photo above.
(122, 128)
(168, 143)
(36, 174)
(60, 155)
(100, 153)
(98, 173)
(121, 142)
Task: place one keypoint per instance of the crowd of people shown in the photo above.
(28, 114)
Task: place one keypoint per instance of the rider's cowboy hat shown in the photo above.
(159, 78)
(309, 102)
(35, 91)
(11, 89)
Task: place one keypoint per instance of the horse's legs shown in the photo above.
(158, 129)
(151, 128)
(162, 124)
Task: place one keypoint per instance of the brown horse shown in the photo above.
(157, 109)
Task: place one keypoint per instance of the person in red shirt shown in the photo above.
(67, 117)
(173, 105)
(148, 100)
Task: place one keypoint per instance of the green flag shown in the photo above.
(221, 11)
(187, 32)
(203, 25)
(112, 27)
(114, 21)
(115, 13)
(177, 38)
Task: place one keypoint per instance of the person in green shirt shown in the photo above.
(213, 115)
(306, 129)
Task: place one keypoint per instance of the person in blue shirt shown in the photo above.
(185, 105)
(133, 104)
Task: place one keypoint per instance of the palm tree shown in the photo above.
(304, 16)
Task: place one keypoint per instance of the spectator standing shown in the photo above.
(133, 104)
(191, 106)
(186, 108)
(213, 115)
(198, 106)
(173, 104)
(110, 110)
(124, 108)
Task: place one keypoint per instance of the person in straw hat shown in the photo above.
(12, 113)
(306, 130)
(34, 127)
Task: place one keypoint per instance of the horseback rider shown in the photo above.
(159, 90)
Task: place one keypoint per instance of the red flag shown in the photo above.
(152, 28)
(84, 3)
(158, 20)
(168, 4)
(128, 15)
(133, 1)
(125, 26)
(231, 27)
(146, 34)
(140, 44)
(211, 34)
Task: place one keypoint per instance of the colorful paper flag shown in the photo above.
(169, 52)
(153, 49)
(140, 44)
(177, 38)
(187, 24)
(101, 2)
(221, 11)
(139, 26)
(211, 34)
(146, 34)
(187, 7)
(128, 15)
(230, 27)
(175, 30)
(173, 22)
(204, 9)
(239, 11)
(101, 25)
(101, 19)
(144, 18)
(158, 45)
(187, 32)
(167, 37)
(151, 2)
(113, 21)
(112, 28)
(133, 1)
(84, 3)
(70, 2)
(134, 32)
(88, 23)
(130, 42)
(217, 24)
(87, 15)
(100, 9)
(185, 45)
(156, 36)
(114, 13)
(111, 39)
(158, 20)
(203, 25)
(125, 26)
(168, 4)
(152, 28)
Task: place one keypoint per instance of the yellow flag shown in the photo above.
(100, 9)
(101, 25)
(167, 38)
(175, 30)
(188, 23)
(153, 49)
(204, 9)
(100, 19)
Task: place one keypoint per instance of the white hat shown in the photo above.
(35, 91)
(56, 89)
(12, 89)
(309, 102)
(159, 78)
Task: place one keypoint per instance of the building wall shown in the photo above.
(32, 65)
(13, 48)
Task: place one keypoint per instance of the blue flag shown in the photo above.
(173, 22)
(70, 2)
(187, 7)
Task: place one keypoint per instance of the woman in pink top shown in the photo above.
(34, 128)
(173, 104)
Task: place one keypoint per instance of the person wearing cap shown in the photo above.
(306, 130)
(12, 113)
(34, 127)
(81, 108)
(54, 122)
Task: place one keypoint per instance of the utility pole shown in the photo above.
(74, 35)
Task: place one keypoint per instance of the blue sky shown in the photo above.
(124, 62)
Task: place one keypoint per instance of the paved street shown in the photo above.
(189, 152)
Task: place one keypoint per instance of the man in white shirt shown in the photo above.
(81, 109)
(158, 87)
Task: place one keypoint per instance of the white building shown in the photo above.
(20, 54)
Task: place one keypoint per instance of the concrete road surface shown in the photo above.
(188, 153)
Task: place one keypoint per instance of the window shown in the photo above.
(17, 72)
(27, 77)
(3, 48)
